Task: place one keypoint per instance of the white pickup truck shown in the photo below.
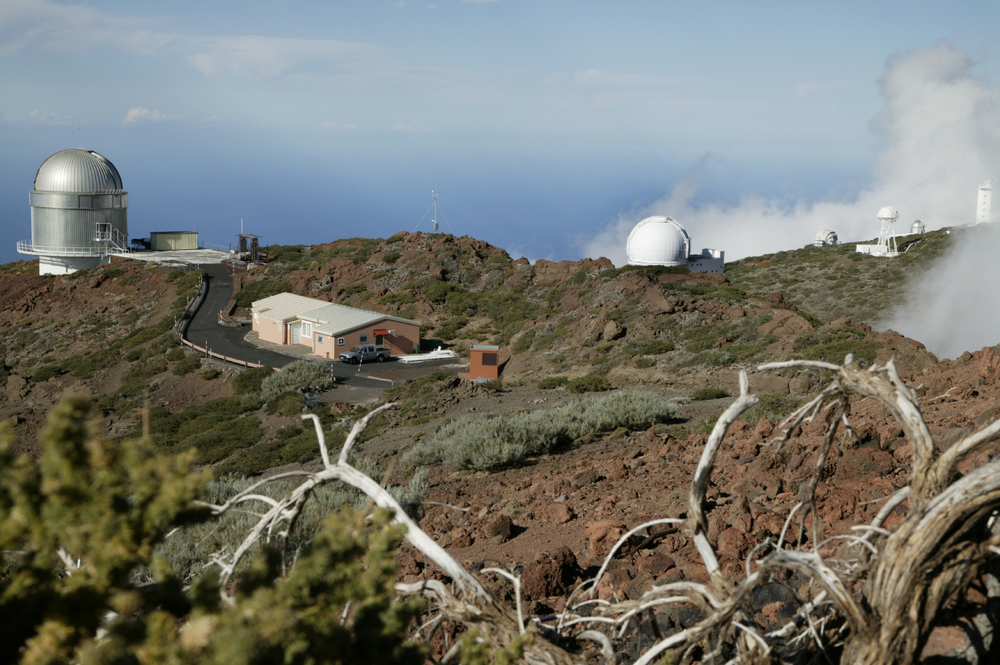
(365, 353)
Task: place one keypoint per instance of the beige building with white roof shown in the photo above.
(329, 328)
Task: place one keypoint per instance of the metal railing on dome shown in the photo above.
(25, 247)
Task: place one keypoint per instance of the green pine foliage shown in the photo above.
(76, 527)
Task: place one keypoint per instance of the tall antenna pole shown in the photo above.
(435, 220)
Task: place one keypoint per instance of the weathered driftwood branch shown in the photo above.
(874, 610)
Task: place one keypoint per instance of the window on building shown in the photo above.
(489, 360)
(307, 329)
(363, 339)
(319, 339)
(340, 341)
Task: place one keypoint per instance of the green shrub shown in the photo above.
(708, 393)
(46, 372)
(211, 373)
(295, 375)
(397, 298)
(189, 364)
(175, 354)
(644, 363)
(352, 289)
(286, 404)
(523, 343)
(493, 442)
(111, 273)
(654, 347)
(550, 382)
(391, 257)
(591, 383)
(771, 406)
(392, 240)
(248, 382)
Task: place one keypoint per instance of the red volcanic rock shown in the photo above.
(560, 513)
(989, 365)
(786, 324)
(459, 538)
(733, 544)
(601, 537)
(499, 529)
(764, 428)
(551, 574)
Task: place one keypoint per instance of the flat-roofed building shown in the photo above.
(329, 328)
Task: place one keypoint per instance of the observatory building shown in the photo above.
(886, 246)
(824, 238)
(660, 241)
(917, 228)
(78, 213)
(984, 202)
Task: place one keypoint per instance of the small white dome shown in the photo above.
(78, 171)
(658, 241)
(917, 227)
(826, 237)
(887, 212)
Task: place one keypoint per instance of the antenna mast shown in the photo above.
(435, 220)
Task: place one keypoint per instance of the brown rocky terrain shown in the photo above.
(555, 517)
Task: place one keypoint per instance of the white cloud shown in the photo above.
(138, 113)
(332, 126)
(941, 133)
(272, 57)
(942, 138)
(402, 127)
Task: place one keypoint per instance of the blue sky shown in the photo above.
(549, 127)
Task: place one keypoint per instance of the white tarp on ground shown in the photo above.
(436, 354)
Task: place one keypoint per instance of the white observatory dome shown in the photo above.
(826, 238)
(917, 227)
(78, 171)
(887, 212)
(658, 241)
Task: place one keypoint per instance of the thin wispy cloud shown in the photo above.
(329, 125)
(140, 114)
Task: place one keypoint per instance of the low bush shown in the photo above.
(295, 375)
(654, 347)
(46, 372)
(211, 373)
(248, 381)
(644, 363)
(708, 393)
(286, 404)
(591, 383)
(175, 354)
(550, 382)
(494, 442)
(391, 257)
(189, 364)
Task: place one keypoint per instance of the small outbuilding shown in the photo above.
(167, 241)
(484, 363)
(328, 328)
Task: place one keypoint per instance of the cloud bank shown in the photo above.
(941, 137)
(940, 131)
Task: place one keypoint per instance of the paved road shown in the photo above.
(204, 330)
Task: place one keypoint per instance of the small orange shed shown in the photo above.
(484, 363)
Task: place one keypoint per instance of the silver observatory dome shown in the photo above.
(78, 171)
(79, 213)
